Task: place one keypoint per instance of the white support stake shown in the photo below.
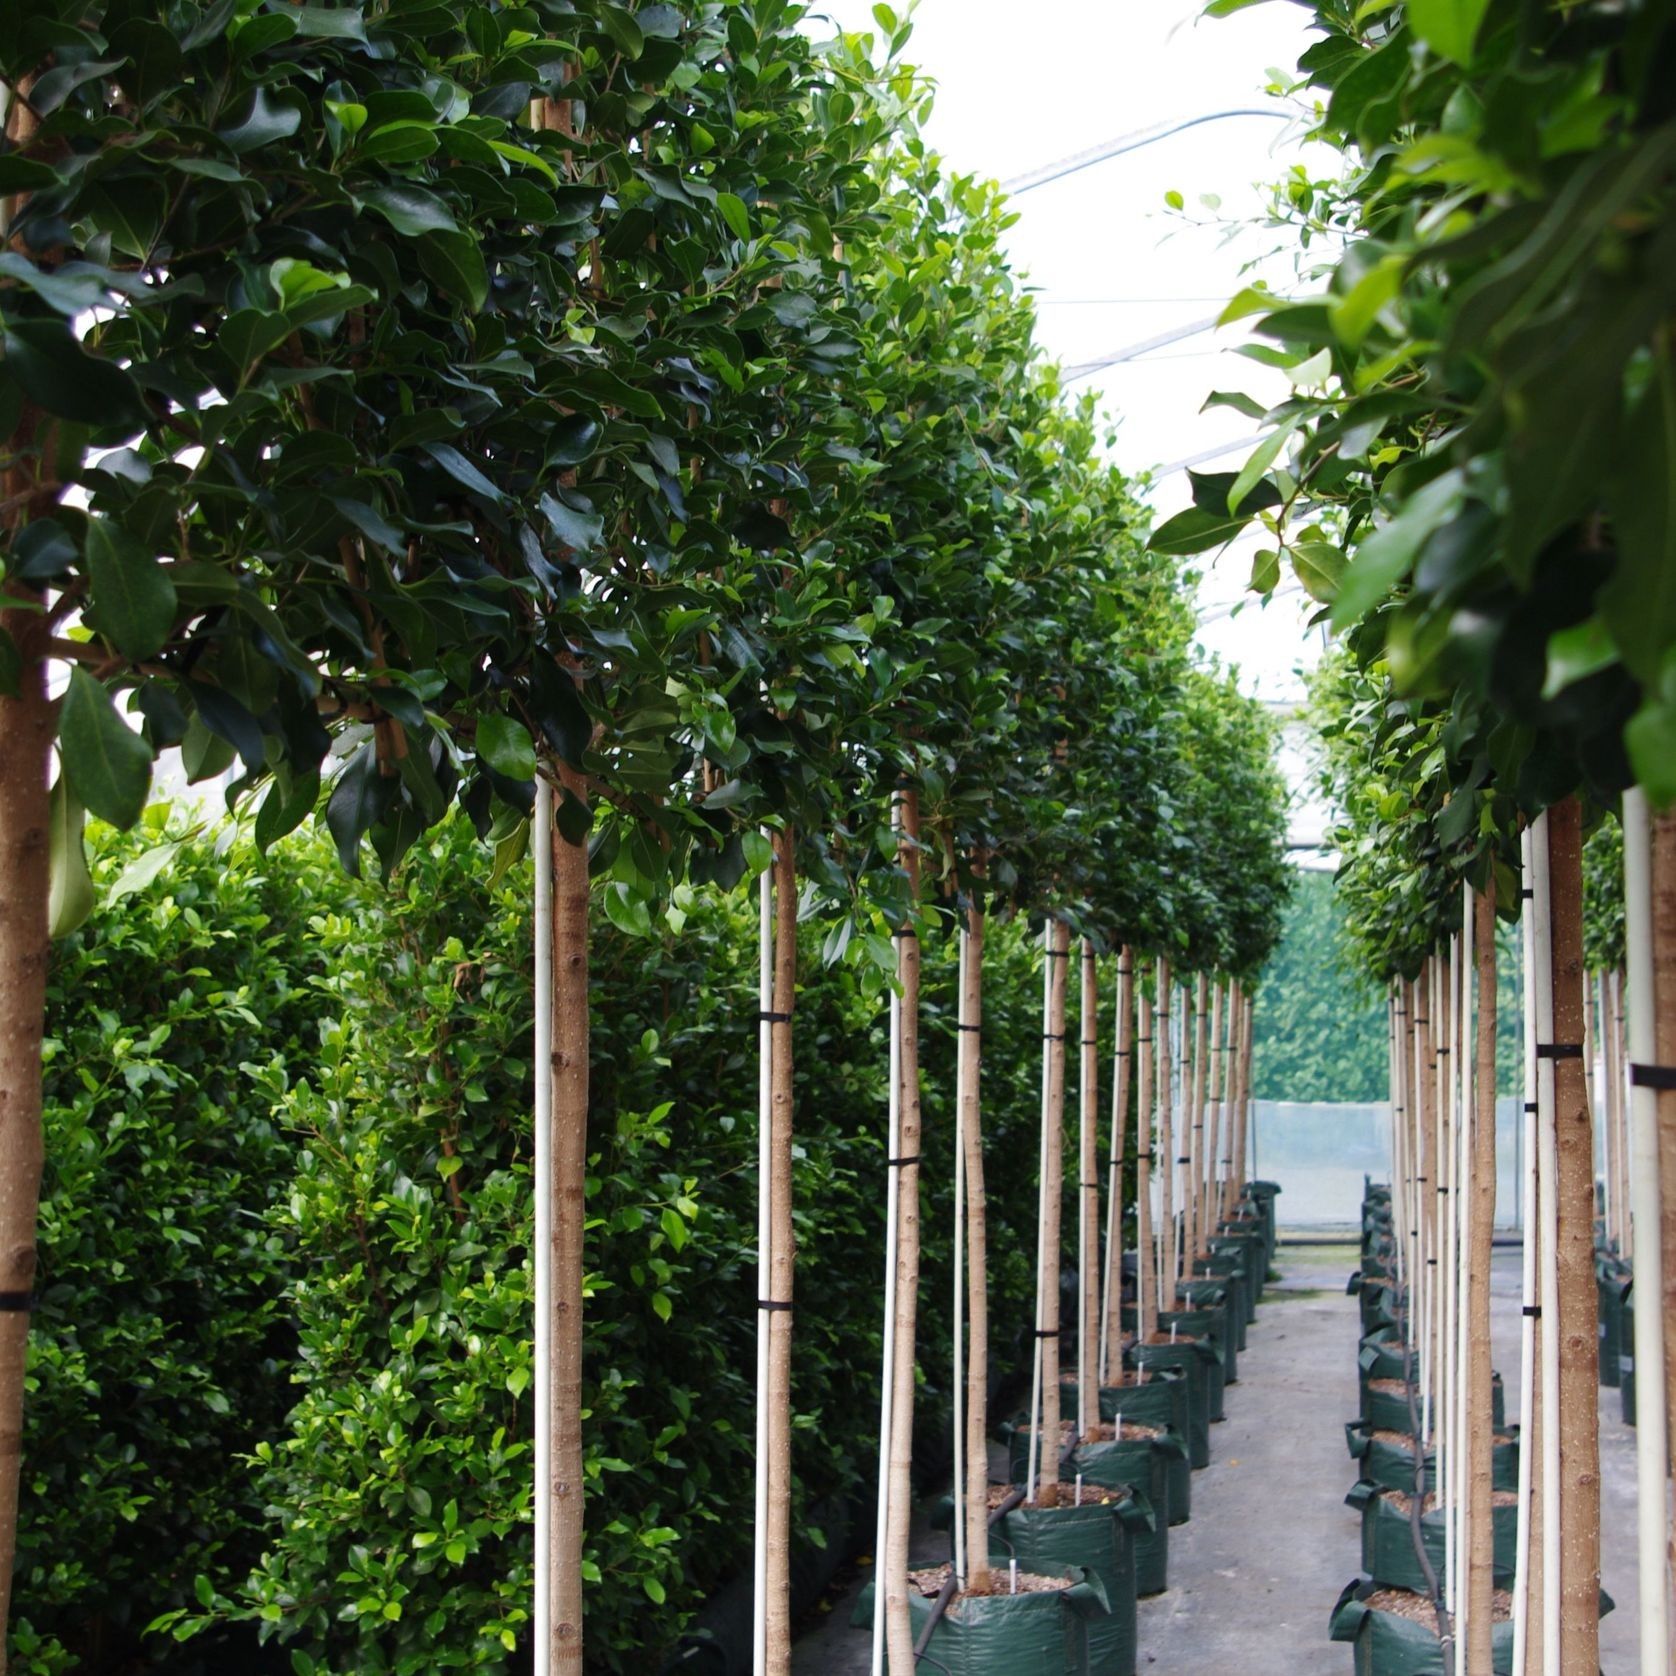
(542, 855)
(765, 1259)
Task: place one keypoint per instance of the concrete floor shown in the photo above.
(1255, 1572)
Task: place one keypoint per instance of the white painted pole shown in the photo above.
(1531, 1236)
(541, 844)
(1652, 1444)
(1548, 1255)
(1033, 1467)
(1124, 1049)
(1466, 1116)
(765, 1259)
(888, 1374)
(960, 1278)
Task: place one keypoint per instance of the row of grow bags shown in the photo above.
(1091, 1561)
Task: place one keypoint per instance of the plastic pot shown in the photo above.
(1002, 1634)
(1056, 1539)
(1388, 1644)
(1197, 1358)
(1388, 1555)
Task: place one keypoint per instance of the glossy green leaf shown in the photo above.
(506, 746)
(131, 599)
(107, 764)
(70, 894)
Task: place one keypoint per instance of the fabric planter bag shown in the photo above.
(1389, 1460)
(1052, 1540)
(1388, 1555)
(1388, 1644)
(1162, 1401)
(1195, 1358)
(1144, 1466)
(1022, 1635)
(1248, 1239)
(1385, 1405)
(1227, 1269)
(1378, 1299)
(1171, 1494)
(1201, 1314)
(1611, 1277)
(1626, 1358)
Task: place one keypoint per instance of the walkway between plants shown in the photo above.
(1255, 1571)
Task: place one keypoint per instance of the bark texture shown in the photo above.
(899, 1635)
(570, 1167)
(1663, 869)
(784, 1260)
(1579, 1305)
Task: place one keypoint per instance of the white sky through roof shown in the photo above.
(1019, 88)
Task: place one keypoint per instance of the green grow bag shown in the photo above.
(1388, 1555)
(1144, 1466)
(1379, 1301)
(1023, 1635)
(1388, 1644)
(1611, 1277)
(1248, 1238)
(1162, 1401)
(1049, 1540)
(1196, 1358)
(1380, 1355)
(1391, 1466)
(1227, 1269)
(1173, 1503)
(1385, 1410)
(1626, 1358)
(1208, 1316)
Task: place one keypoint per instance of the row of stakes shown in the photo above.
(1065, 1578)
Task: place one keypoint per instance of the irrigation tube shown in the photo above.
(888, 1375)
(1548, 1253)
(542, 844)
(1651, 1441)
(959, 1283)
(765, 1258)
(1527, 1295)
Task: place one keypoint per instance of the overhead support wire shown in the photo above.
(1132, 141)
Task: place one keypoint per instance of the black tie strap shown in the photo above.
(18, 1303)
(1534, 1311)
(971, 1029)
(1532, 1106)
(1049, 1036)
(773, 1018)
(1661, 1077)
(903, 1163)
(1043, 1332)
(774, 1304)
(1559, 1050)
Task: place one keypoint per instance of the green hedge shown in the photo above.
(388, 1209)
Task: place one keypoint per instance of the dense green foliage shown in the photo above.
(357, 1417)
(161, 1350)
(1321, 1031)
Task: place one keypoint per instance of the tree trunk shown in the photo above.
(899, 1633)
(1578, 1297)
(783, 1262)
(977, 1267)
(1480, 1432)
(1146, 1285)
(1111, 1340)
(569, 1214)
(1166, 1141)
(1088, 1200)
(1053, 1164)
(1662, 860)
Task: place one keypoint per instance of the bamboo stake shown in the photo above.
(899, 1632)
(765, 1258)
(1480, 1526)
(546, 1573)
(1111, 1334)
(1145, 1280)
(887, 1375)
(1088, 1203)
(1652, 1440)
(1527, 1595)
(1053, 1133)
(1547, 1206)
(977, 1394)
